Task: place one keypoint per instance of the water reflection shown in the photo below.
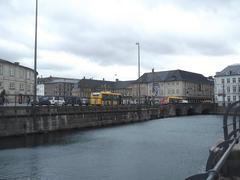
(34, 140)
(172, 148)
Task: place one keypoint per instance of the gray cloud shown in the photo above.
(53, 66)
(106, 43)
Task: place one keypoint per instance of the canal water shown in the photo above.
(164, 149)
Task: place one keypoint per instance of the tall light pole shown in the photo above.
(138, 45)
(35, 58)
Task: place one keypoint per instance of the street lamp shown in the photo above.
(138, 45)
(35, 58)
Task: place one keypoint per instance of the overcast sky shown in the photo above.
(97, 38)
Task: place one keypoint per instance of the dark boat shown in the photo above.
(224, 158)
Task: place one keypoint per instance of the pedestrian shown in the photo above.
(2, 95)
(28, 99)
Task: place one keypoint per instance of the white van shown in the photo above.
(58, 101)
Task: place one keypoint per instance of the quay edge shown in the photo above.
(15, 121)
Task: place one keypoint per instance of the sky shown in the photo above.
(97, 38)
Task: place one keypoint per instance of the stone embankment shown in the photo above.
(25, 120)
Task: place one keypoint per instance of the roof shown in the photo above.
(63, 81)
(122, 84)
(90, 83)
(229, 70)
(174, 75)
(14, 64)
(51, 80)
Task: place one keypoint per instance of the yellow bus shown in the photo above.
(172, 100)
(105, 98)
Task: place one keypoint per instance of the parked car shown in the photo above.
(58, 101)
(44, 100)
(72, 100)
(85, 101)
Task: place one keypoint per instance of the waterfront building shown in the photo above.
(56, 86)
(190, 86)
(125, 89)
(16, 79)
(85, 86)
(227, 85)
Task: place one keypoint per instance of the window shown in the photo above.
(28, 75)
(177, 91)
(228, 80)
(238, 80)
(1, 69)
(21, 86)
(234, 89)
(238, 88)
(228, 98)
(12, 73)
(28, 88)
(228, 89)
(21, 73)
(1, 84)
(199, 87)
(234, 80)
(223, 81)
(234, 98)
(12, 85)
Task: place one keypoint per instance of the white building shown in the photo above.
(227, 85)
(190, 86)
(16, 80)
(40, 90)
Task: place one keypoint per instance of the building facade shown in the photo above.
(188, 85)
(56, 86)
(16, 79)
(85, 87)
(227, 85)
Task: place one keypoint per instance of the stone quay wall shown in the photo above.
(26, 120)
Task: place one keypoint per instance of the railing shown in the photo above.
(15, 100)
(219, 155)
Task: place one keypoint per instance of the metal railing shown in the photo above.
(16, 100)
(219, 155)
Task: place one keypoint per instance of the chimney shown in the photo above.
(152, 70)
(117, 80)
(17, 63)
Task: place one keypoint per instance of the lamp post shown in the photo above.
(138, 45)
(35, 58)
(223, 95)
(153, 87)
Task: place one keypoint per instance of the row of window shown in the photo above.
(234, 80)
(12, 86)
(173, 83)
(234, 98)
(21, 72)
(171, 91)
(234, 89)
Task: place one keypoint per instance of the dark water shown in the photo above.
(165, 149)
